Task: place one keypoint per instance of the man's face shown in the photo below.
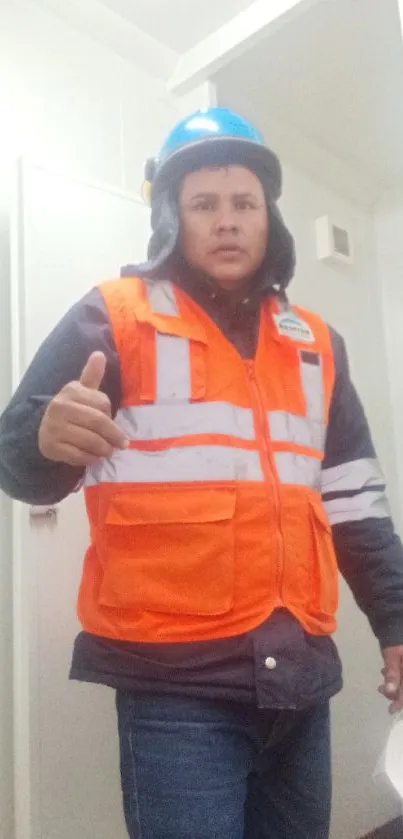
(224, 223)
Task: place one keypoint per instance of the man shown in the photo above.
(227, 462)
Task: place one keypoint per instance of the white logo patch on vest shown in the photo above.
(292, 326)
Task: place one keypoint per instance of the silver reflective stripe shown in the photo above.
(172, 352)
(353, 475)
(308, 430)
(312, 384)
(364, 505)
(161, 297)
(290, 428)
(298, 469)
(151, 422)
(173, 368)
(177, 465)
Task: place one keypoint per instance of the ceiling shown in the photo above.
(326, 87)
(334, 75)
(179, 24)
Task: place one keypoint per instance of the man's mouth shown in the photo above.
(228, 249)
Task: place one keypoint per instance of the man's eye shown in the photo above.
(244, 204)
(203, 206)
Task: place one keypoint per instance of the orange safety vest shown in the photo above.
(212, 518)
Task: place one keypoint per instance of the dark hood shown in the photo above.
(279, 264)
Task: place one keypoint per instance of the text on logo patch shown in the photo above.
(291, 326)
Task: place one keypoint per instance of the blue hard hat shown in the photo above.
(213, 137)
(213, 123)
(210, 137)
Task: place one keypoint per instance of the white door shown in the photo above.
(67, 237)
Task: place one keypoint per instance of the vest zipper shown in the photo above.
(266, 460)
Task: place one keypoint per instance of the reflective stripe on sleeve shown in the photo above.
(363, 505)
(353, 475)
(354, 491)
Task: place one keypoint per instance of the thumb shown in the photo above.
(392, 670)
(94, 371)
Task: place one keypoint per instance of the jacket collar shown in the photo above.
(205, 291)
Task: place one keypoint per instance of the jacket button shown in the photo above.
(270, 663)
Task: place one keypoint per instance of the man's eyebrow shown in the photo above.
(203, 195)
(233, 195)
(246, 195)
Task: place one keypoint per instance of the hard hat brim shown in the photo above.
(216, 151)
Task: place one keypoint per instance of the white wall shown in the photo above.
(388, 220)
(350, 300)
(348, 297)
(6, 729)
(68, 102)
(72, 104)
(389, 240)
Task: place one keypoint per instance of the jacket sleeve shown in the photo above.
(25, 474)
(369, 552)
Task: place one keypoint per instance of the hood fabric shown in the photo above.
(163, 250)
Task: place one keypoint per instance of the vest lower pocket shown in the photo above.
(310, 582)
(169, 550)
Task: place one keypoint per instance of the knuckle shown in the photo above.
(106, 426)
(59, 403)
(73, 460)
(100, 422)
(103, 402)
(70, 390)
(45, 434)
(98, 448)
(78, 457)
(53, 407)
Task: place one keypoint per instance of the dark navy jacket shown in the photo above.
(277, 665)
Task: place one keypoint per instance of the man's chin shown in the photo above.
(230, 279)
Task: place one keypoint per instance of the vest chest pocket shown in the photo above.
(169, 550)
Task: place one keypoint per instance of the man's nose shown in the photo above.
(226, 220)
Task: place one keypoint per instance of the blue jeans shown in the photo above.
(199, 769)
